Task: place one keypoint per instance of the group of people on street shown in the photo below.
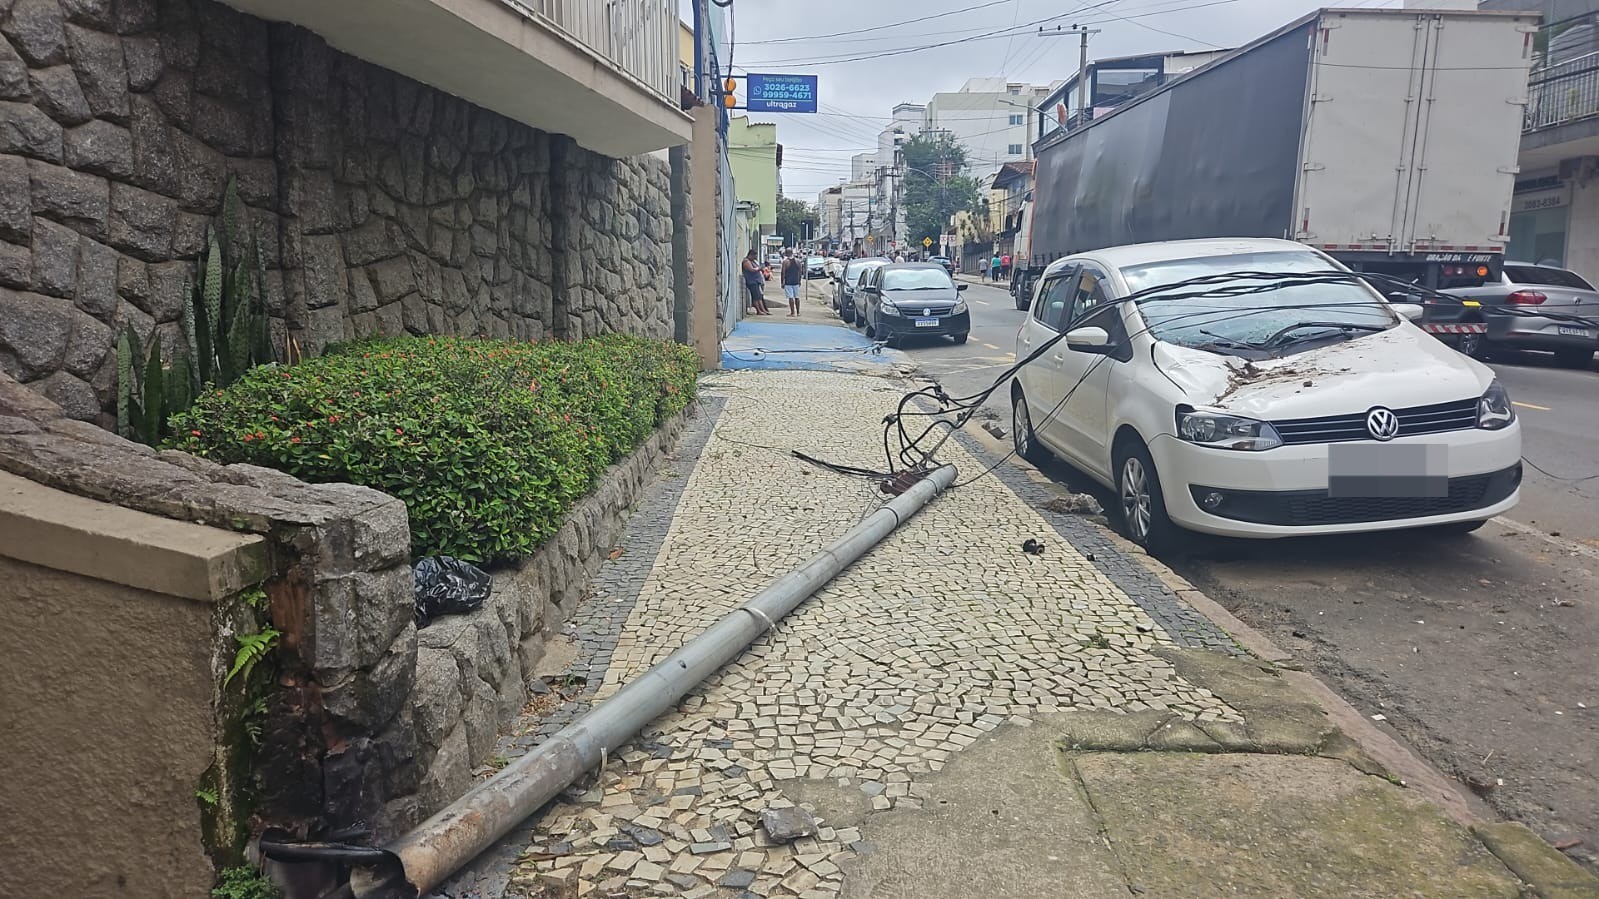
(997, 269)
(755, 277)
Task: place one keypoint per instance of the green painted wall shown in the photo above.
(752, 151)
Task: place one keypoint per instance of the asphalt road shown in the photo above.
(1481, 651)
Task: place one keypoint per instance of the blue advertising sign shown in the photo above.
(781, 93)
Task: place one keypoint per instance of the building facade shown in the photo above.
(752, 147)
(990, 118)
(1554, 214)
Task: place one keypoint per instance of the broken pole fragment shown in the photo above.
(418, 861)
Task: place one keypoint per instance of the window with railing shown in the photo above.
(1564, 84)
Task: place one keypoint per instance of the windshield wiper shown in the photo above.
(1225, 341)
(933, 287)
(1281, 338)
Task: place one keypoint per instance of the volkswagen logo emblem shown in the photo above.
(1382, 423)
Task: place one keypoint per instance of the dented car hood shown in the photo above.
(1401, 367)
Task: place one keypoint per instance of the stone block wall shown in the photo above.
(339, 747)
(383, 206)
(375, 724)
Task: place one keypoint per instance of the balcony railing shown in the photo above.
(1562, 93)
(639, 37)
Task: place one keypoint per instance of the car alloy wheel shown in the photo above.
(1136, 502)
(1021, 430)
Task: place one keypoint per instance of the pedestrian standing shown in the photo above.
(993, 266)
(1004, 265)
(792, 269)
(754, 281)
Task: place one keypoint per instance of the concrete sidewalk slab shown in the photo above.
(1186, 825)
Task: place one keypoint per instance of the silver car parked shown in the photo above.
(1535, 289)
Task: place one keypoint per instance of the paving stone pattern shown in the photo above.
(1186, 626)
(943, 633)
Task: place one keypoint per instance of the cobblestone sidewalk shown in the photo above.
(944, 632)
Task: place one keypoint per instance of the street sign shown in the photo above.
(780, 93)
(927, 241)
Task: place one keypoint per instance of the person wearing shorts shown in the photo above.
(793, 270)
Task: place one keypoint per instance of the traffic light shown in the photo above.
(729, 99)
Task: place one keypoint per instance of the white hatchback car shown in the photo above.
(1309, 409)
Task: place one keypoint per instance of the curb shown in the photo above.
(1550, 873)
(1414, 771)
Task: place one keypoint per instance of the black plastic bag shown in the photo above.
(448, 586)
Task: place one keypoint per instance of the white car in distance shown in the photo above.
(1304, 410)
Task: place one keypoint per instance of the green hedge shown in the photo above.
(487, 442)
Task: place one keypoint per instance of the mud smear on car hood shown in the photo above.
(1394, 368)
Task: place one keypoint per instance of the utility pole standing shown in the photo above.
(1082, 62)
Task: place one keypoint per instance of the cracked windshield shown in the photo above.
(749, 449)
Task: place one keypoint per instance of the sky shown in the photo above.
(862, 52)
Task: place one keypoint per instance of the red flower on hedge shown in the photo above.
(399, 430)
(294, 440)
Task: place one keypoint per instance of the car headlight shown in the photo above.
(960, 306)
(888, 308)
(1494, 410)
(1226, 431)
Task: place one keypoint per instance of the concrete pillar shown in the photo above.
(682, 259)
(705, 210)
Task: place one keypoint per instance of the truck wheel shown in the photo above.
(1020, 300)
(1473, 345)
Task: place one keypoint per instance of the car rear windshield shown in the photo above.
(1549, 277)
(1216, 321)
(915, 279)
(854, 267)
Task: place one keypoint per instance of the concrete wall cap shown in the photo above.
(48, 527)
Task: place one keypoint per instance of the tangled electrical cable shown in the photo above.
(933, 402)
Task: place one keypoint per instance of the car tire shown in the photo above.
(960, 338)
(1022, 436)
(1570, 357)
(1140, 503)
(871, 332)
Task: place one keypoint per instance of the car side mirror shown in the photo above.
(962, 286)
(1088, 340)
(1412, 312)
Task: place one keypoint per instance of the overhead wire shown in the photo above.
(912, 456)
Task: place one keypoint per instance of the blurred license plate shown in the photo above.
(1377, 470)
(1570, 331)
(927, 323)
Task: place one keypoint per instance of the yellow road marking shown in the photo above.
(991, 346)
(1530, 406)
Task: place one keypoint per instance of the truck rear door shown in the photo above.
(1412, 132)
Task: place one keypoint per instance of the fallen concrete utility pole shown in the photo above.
(423, 858)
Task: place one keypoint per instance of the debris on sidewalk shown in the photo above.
(785, 825)
(1033, 547)
(994, 428)
(1075, 504)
